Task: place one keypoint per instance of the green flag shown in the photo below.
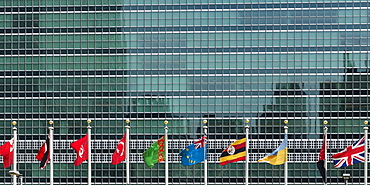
(155, 153)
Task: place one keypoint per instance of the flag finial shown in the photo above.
(51, 122)
(246, 123)
(366, 122)
(325, 122)
(165, 122)
(205, 121)
(14, 123)
(88, 121)
(127, 121)
(286, 121)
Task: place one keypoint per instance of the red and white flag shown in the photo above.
(7, 152)
(119, 154)
(81, 148)
(44, 154)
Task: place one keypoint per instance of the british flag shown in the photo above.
(351, 155)
(201, 142)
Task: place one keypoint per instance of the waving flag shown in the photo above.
(194, 153)
(119, 154)
(43, 154)
(235, 152)
(278, 156)
(81, 148)
(351, 155)
(155, 153)
(6, 150)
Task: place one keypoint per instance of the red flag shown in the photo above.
(7, 152)
(43, 155)
(119, 154)
(322, 157)
(81, 148)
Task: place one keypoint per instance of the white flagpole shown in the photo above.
(166, 152)
(326, 152)
(51, 151)
(286, 153)
(246, 152)
(205, 153)
(14, 171)
(88, 152)
(127, 151)
(366, 129)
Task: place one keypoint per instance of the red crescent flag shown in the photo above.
(119, 154)
(81, 148)
(7, 152)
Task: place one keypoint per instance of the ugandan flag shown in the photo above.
(235, 152)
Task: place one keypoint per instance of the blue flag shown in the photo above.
(194, 153)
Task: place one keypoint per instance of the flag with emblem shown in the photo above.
(6, 150)
(235, 152)
(353, 154)
(81, 148)
(279, 155)
(155, 153)
(119, 154)
(195, 153)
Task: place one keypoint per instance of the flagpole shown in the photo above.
(286, 157)
(166, 152)
(205, 154)
(325, 152)
(127, 150)
(51, 151)
(366, 129)
(246, 152)
(88, 152)
(15, 171)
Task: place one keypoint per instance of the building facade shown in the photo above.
(186, 61)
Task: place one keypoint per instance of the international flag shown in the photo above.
(235, 152)
(155, 153)
(6, 150)
(119, 154)
(195, 153)
(353, 154)
(43, 154)
(322, 159)
(81, 148)
(278, 156)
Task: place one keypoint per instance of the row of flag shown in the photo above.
(197, 152)
(80, 146)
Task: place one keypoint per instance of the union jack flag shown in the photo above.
(201, 142)
(351, 155)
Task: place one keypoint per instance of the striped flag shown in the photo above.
(43, 154)
(235, 152)
(279, 155)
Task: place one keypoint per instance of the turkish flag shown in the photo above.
(119, 154)
(81, 148)
(7, 152)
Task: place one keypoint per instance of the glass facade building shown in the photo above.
(184, 61)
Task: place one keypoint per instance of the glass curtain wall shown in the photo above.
(186, 61)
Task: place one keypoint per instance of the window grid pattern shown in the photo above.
(184, 61)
